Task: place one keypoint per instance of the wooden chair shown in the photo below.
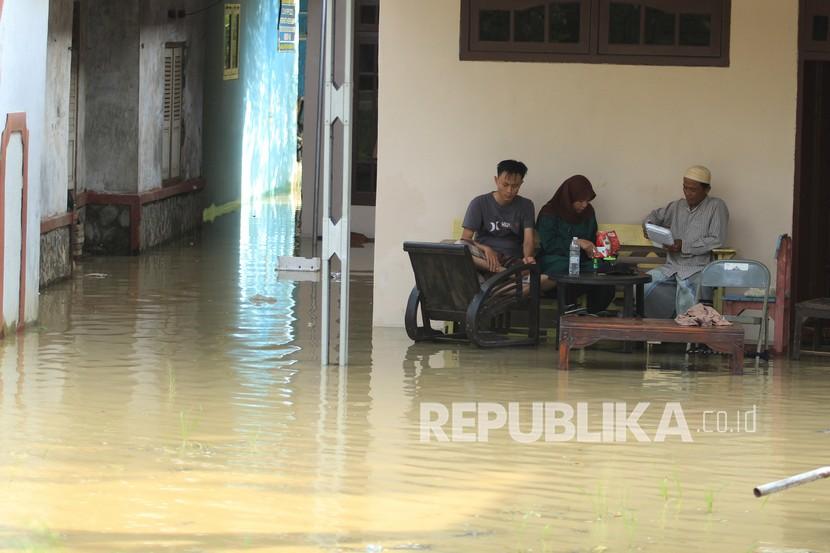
(779, 304)
(448, 288)
(817, 309)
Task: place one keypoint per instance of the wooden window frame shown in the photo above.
(173, 126)
(233, 19)
(811, 9)
(593, 45)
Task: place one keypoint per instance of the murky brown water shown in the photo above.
(175, 401)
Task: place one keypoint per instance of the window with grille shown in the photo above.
(815, 26)
(172, 112)
(231, 41)
(654, 32)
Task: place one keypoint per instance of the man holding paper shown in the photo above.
(692, 228)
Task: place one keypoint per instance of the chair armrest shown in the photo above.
(501, 293)
(509, 277)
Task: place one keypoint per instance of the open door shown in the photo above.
(811, 204)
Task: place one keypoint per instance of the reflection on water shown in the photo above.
(175, 401)
(269, 140)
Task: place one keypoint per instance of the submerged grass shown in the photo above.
(187, 425)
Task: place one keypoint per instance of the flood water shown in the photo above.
(175, 401)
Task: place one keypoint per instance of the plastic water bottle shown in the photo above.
(573, 265)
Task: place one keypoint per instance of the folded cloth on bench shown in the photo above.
(701, 315)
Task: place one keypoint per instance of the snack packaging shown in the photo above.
(608, 244)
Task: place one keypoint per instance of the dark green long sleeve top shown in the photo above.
(555, 235)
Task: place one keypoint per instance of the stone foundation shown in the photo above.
(55, 256)
(169, 218)
(135, 223)
(107, 230)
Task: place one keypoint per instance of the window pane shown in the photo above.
(820, 27)
(564, 22)
(366, 82)
(695, 29)
(364, 179)
(367, 58)
(235, 42)
(368, 15)
(659, 27)
(227, 41)
(529, 24)
(624, 24)
(494, 25)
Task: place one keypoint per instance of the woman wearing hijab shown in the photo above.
(570, 213)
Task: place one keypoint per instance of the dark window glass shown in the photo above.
(367, 58)
(366, 82)
(695, 29)
(227, 41)
(652, 32)
(529, 24)
(368, 15)
(624, 24)
(494, 25)
(367, 129)
(364, 179)
(659, 27)
(820, 27)
(564, 22)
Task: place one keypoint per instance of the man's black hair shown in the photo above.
(511, 167)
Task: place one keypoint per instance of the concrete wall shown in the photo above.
(157, 29)
(632, 130)
(108, 147)
(223, 115)
(122, 65)
(23, 39)
(55, 169)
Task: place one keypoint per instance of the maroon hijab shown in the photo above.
(574, 189)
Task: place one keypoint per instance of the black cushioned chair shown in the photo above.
(448, 288)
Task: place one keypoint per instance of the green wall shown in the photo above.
(250, 125)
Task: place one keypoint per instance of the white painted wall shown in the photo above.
(55, 167)
(632, 130)
(23, 30)
(12, 231)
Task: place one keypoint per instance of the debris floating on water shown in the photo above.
(260, 299)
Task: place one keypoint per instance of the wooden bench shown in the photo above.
(579, 332)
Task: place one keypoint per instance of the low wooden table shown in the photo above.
(578, 332)
(632, 285)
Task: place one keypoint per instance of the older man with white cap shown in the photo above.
(698, 224)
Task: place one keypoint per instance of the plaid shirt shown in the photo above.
(701, 229)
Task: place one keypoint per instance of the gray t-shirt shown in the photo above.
(500, 226)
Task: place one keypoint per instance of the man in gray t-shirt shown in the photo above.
(501, 223)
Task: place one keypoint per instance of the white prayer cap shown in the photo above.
(699, 173)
